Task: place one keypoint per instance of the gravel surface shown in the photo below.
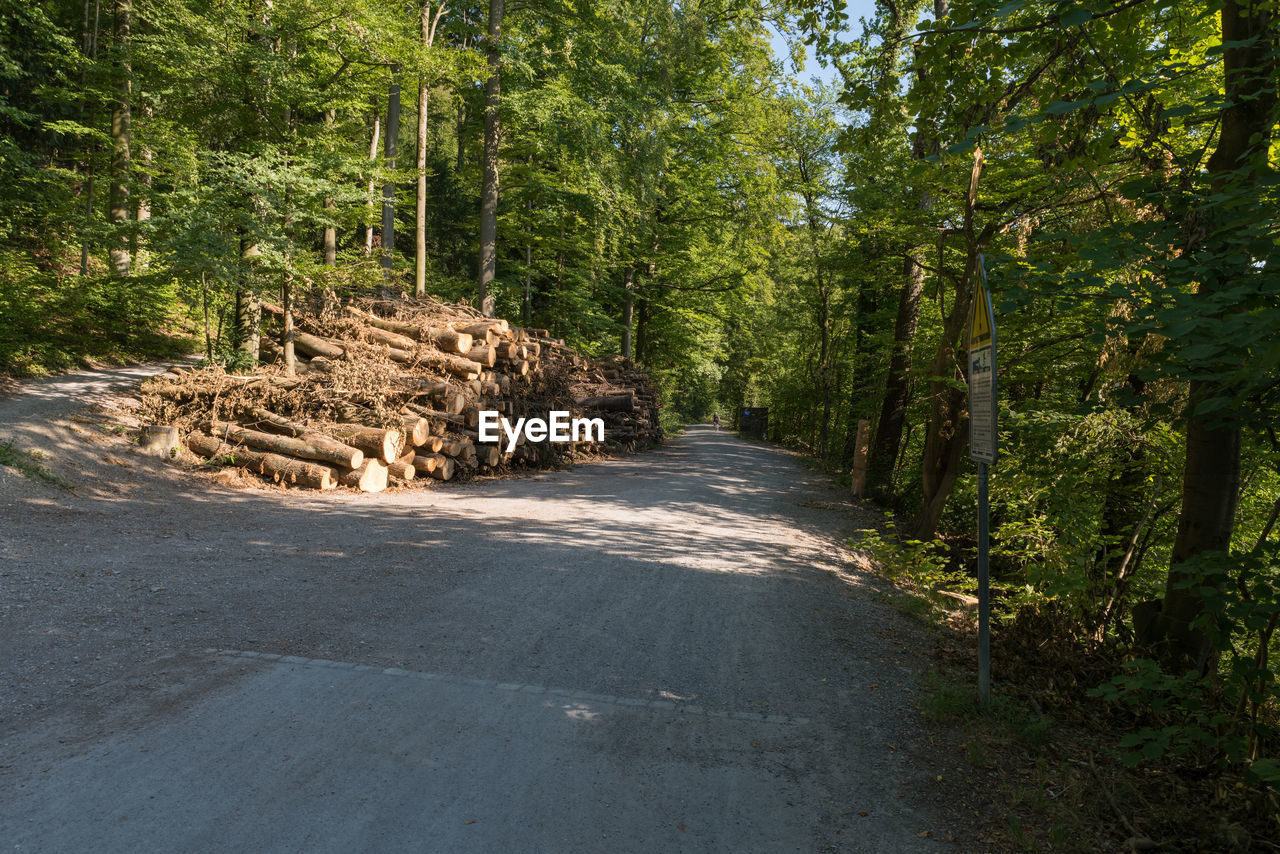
(706, 574)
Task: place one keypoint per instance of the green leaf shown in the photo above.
(1075, 17)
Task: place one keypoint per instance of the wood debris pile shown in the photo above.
(391, 391)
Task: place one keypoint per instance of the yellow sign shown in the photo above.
(980, 320)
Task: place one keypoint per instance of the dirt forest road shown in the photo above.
(662, 653)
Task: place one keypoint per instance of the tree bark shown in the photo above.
(120, 158)
(948, 433)
(318, 448)
(373, 159)
(1211, 480)
(389, 188)
(142, 208)
(279, 468)
(489, 183)
(330, 239)
(897, 392)
(287, 332)
(628, 310)
(429, 25)
(384, 445)
(882, 461)
(370, 476)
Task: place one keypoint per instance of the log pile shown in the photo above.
(390, 392)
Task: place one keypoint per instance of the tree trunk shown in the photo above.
(370, 476)
(389, 188)
(383, 445)
(489, 184)
(142, 209)
(424, 95)
(628, 309)
(90, 44)
(897, 392)
(373, 159)
(287, 333)
(307, 448)
(120, 159)
(248, 317)
(948, 433)
(280, 469)
(1211, 480)
(330, 239)
(882, 462)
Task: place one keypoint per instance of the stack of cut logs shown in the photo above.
(391, 391)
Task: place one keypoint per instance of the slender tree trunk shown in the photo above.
(628, 309)
(208, 337)
(373, 160)
(460, 153)
(389, 188)
(897, 392)
(286, 334)
(248, 307)
(882, 460)
(824, 366)
(330, 239)
(527, 313)
(489, 184)
(861, 387)
(90, 52)
(420, 226)
(948, 433)
(142, 210)
(429, 25)
(120, 160)
(1211, 480)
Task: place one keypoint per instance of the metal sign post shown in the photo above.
(983, 441)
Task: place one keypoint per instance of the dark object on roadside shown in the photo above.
(754, 421)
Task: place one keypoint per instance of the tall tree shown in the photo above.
(120, 119)
(488, 265)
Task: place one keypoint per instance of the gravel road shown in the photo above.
(662, 653)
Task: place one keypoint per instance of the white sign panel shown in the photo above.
(983, 431)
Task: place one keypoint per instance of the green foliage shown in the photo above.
(923, 565)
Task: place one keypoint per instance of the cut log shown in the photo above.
(442, 467)
(417, 430)
(333, 453)
(450, 340)
(401, 471)
(278, 423)
(383, 445)
(483, 354)
(455, 365)
(426, 463)
(610, 402)
(158, 438)
(435, 414)
(480, 327)
(280, 469)
(371, 476)
(313, 346)
(391, 339)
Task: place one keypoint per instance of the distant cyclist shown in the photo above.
(715, 419)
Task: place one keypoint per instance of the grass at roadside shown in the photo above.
(30, 464)
(1043, 774)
